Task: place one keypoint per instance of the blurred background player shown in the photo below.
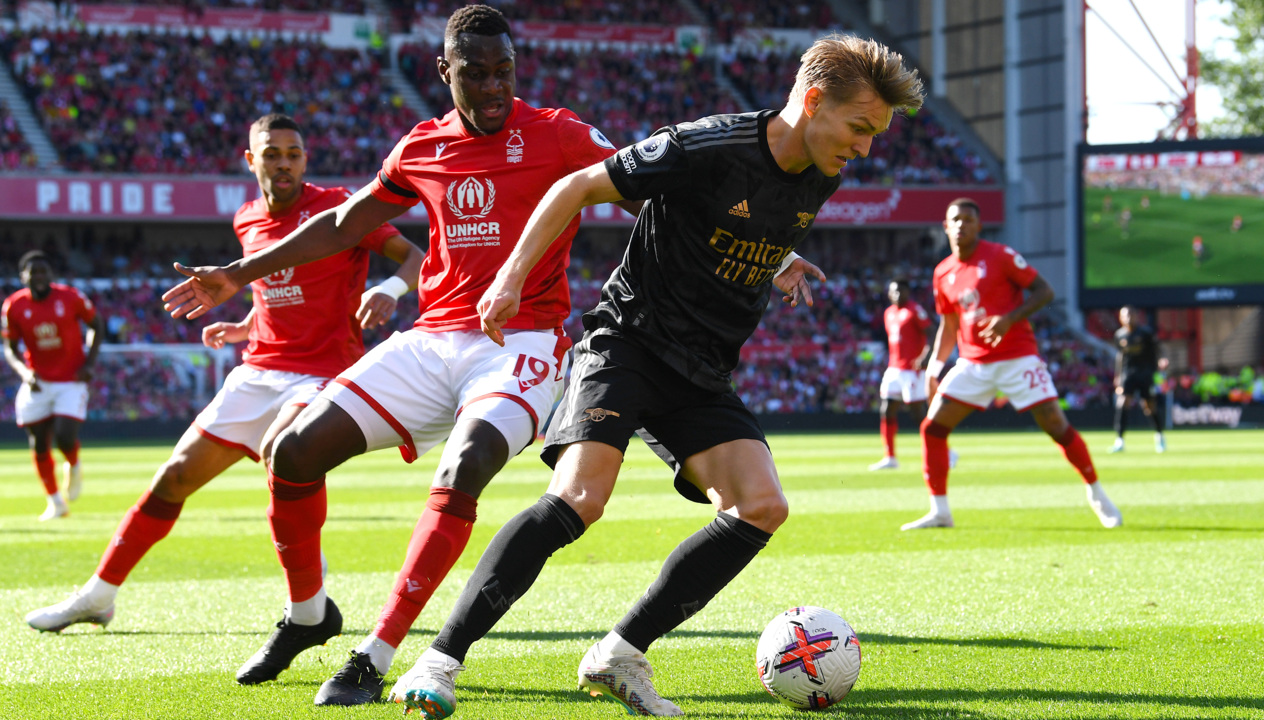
(53, 400)
(1136, 361)
(979, 294)
(443, 378)
(304, 329)
(909, 332)
(1199, 249)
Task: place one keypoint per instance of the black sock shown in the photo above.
(1121, 419)
(695, 571)
(509, 565)
(1153, 416)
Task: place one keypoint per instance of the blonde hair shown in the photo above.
(844, 65)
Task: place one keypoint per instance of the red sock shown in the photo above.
(935, 456)
(1076, 453)
(47, 472)
(147, 522)
(437, 542)
(297, 513)
(72, 455)
(889, 428)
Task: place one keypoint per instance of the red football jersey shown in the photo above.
(990, 283)
(906, 334)
(305, 316)
(50, 329)
(479, 191)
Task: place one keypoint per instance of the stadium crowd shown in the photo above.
(15, 152)
(353, 7)
(153, 103)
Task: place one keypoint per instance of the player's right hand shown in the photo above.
(206, 287)
(218, 334)
(932, 387)
(30, 379)
(498, 304)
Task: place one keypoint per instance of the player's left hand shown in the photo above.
(993, 328)
(793, 282)
(375, 308)
(205, 288)
(498, 304)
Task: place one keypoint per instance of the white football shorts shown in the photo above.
(410, 390)
(242, 411)
(64, 399)
(906, 385)
(1024, 381)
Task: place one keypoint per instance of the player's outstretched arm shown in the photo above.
(792, 280)
(590, 186)
(378, 303)
(327, 233)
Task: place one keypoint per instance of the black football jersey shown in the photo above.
(1138, 353)
(720, 217)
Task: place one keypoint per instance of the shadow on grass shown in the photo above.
(994, 642)
(899, 703)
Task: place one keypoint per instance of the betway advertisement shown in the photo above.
(180, 199)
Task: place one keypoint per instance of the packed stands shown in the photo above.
(641, 12)
(626, 93)
(15, 152)
(728, 17)
(353, 7)
(152, 103)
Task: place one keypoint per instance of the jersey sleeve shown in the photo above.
(392, 184)
(582, 144)
(922, 317)
(1017, 269)
(943, 306)
(655, 166)
(8, 327)
(84, 308)
(376, 240)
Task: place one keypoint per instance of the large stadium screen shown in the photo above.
(1172, 224)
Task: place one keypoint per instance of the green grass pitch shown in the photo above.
(1157, 249)
(1028, 609)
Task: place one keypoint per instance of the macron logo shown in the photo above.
(741, 210)
(411, 585)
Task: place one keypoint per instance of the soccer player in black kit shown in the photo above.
(728, 198)
(1136, 361)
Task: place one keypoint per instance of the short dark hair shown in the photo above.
(966, 202)
(900, 282)
(275, 121)
(476, 20)
(32, 256)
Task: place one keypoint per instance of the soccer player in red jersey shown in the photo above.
(979, 293)
(304, 329)
(909, 330)
(53, 399)
(480, 171)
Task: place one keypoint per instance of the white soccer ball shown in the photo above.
(808, 658)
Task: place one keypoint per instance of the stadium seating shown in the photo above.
(15, 152)
(155, 103)
(353, 7)
(655, 12)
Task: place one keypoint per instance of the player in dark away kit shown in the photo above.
(728, 199)
(1136, 362)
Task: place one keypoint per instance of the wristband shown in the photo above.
(934, 368)
(790, 258)
(393, 286)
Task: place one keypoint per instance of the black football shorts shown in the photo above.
(618, 388)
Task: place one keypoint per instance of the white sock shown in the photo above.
(434, 656)
(613, 645)
(1095, 491)
(378, 651)
(99, 591)
(307, 612)
(939, 505)
(56, 499)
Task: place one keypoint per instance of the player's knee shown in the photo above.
(931, 428)
(173, 482)
(470, 474)
(292, 460)
(766, 511)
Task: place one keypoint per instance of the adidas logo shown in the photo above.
(741, 210)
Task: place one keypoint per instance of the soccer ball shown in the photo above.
(808, 658)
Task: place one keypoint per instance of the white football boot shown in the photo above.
(56, 508)
(886, 463)
(73, 475)
(626, 678)
(430, 686)
(1105, 509)
(78, 608)
(929, 520)
(1118, 447)
(1160, 445)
